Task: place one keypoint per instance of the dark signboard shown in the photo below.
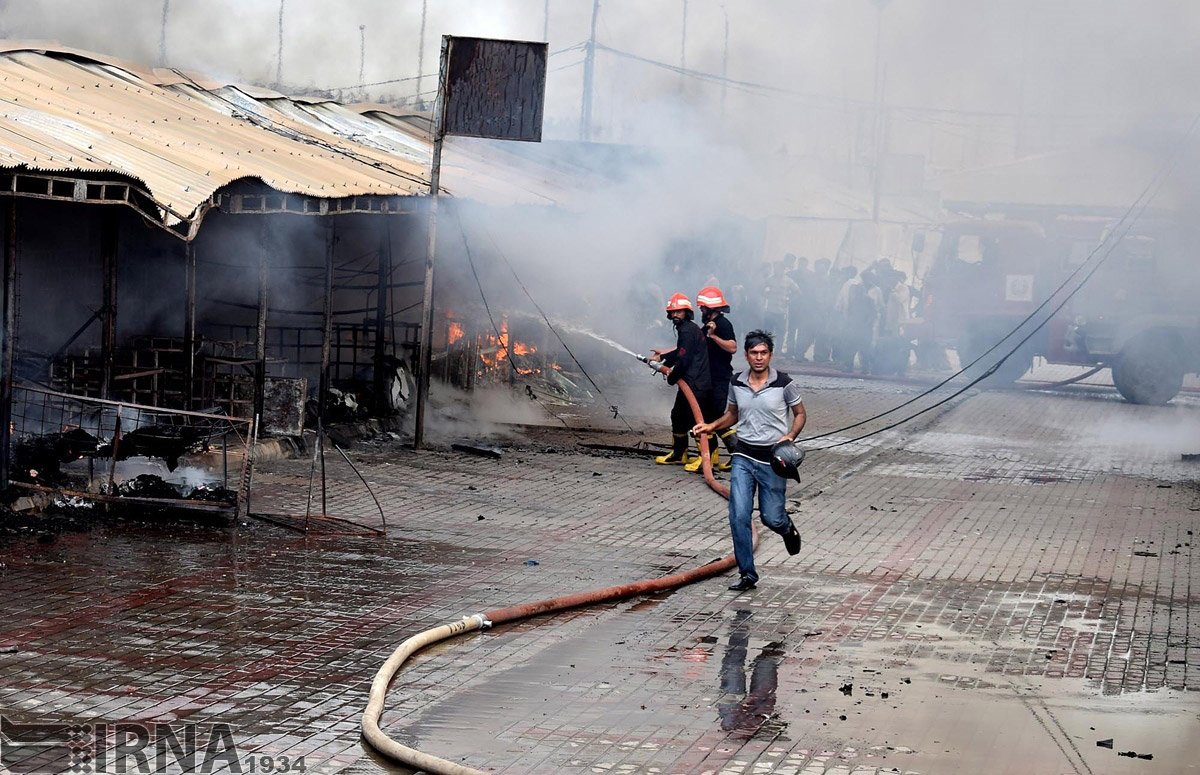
(494, 88)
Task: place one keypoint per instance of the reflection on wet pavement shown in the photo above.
(1004, 623)
(741, 710)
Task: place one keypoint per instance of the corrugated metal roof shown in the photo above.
(185, 136)
(182, 143)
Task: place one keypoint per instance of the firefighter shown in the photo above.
(721, 343)
(687, 361)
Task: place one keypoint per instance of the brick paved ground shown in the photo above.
(993, 588)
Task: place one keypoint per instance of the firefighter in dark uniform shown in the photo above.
(689, 362)
(722, 344)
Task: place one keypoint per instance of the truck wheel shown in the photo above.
(1148, 371)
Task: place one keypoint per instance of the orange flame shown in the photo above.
(456, 332)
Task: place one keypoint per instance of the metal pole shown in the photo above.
(589, 76)
(878, 94)
(546, 21)
(108, 332)
(9, 340)
(725, 62)
(421, 51)
(260, 340)
(189, 326)
(435, 171)
(162, 34)
(683, 45)
(279, 52)
(362, 54)
(326, 336)
(116, 449)
(326, 318)
(383, 292)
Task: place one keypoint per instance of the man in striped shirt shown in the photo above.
(767, 408)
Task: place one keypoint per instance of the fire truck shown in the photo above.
(1138, 314)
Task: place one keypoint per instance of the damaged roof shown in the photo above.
(184, 136)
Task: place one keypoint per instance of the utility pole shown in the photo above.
(435, 176)
(362, 54)
(725, 62)
(877, 118)
(162, 35)
(546, 22)
(279, 53)
(589, 76)
(683, 48)
(421, 51)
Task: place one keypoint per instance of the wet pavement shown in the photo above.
(1004, 585)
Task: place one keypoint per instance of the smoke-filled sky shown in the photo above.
(1097, 59)
(967, 85)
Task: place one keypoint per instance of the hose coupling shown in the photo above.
(484, 624)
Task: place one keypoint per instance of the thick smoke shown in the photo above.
(697, 178)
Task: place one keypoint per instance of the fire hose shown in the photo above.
(379, 686)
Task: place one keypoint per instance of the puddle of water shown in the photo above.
(934, 716)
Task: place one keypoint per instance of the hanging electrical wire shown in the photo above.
(495, 328)
(612, 407)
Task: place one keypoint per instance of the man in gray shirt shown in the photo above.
(767, 408)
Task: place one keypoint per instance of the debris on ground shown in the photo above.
(153, 486)
(620, 449)
(1107, 743)
(471, 449)
(148, 486)
(1136, 755)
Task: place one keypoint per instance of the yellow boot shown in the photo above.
(698, 462)
(679, 451)
(728, 437)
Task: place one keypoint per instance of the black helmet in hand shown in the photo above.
(786, 458)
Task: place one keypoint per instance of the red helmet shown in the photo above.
(710, 296)
(678, 301)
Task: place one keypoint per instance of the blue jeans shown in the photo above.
(746, 476)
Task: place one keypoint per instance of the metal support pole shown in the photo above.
(683, 46)
(9, 340)
(260, 341)
(189, 326)
(108, 330)
(326, 318)
(435, 170)
(725, 63)
(877, 115)
(421, 52)
(383, 292)
(589, 76)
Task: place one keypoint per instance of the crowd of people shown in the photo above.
(841, 316)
